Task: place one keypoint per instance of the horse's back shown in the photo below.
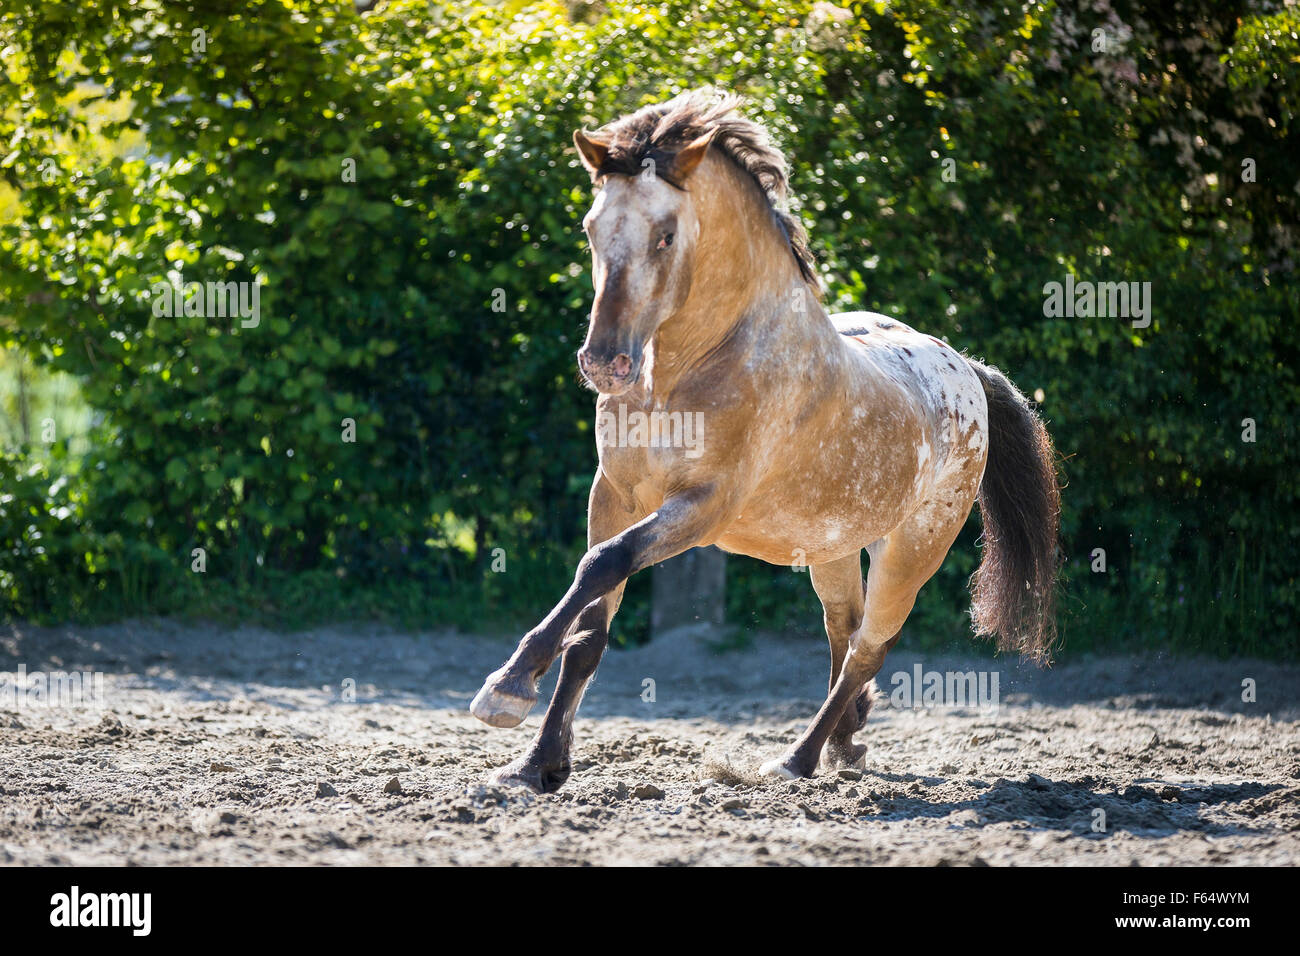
(938, 379)
(862, 323)
(935, 368)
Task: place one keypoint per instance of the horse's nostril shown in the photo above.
(622, 365)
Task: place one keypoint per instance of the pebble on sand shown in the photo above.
(323, 789)
(647, 791)
(393, 786)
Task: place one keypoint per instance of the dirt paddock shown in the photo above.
(235, 747)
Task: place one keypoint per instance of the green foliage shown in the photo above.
(227, 160)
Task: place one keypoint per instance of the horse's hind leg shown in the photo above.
(841, 589)
(900, 564)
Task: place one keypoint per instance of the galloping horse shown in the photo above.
(823, 435)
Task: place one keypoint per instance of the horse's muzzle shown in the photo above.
(613, 375)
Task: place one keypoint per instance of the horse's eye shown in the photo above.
(665, 241)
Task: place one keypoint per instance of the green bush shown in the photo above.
(437, 300)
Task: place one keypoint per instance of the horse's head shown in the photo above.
(643, 231)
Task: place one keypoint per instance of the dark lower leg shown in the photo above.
(546, 764)
(601, 570)
(801, 759)
(840, 750)
(860, 665)
(842, 591)
(510, 692)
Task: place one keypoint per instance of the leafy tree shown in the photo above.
(399, 185)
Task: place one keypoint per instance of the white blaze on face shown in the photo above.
(625, 223)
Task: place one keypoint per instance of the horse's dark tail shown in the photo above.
(1013, 593)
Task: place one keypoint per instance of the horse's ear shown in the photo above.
(591, 151)
(690, 155)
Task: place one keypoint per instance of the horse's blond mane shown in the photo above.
(659, 131)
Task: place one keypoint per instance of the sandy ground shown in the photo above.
(213, 745)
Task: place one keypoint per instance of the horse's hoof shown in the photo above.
(527, 776)
(854, 757)
(512, 777)
(780, 769)
(503, 702)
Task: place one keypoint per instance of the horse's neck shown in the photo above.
(746, 289)
(768, 327)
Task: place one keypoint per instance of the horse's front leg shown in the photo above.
(684, 520)
(547, 762)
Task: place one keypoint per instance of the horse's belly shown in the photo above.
(795, 545)
(822, 503)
